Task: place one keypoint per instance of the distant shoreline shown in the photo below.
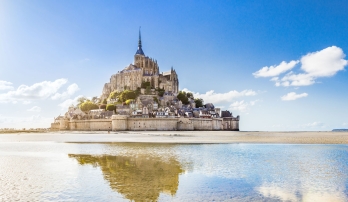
(179, 137)
(23, 131)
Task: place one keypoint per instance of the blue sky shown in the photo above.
(279, 65)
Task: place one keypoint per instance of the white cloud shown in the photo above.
(293, 96)
(242, 106)
(35, 109)
(277, 192)
(274, 79)
(212, 97)
(252, 103)
(280, 126)
(275, 70)
(35, 121)
(26, 102)
(5, 85)
(220, 106)
(345, 124)
(313, 125)
(40, 90)
(292, 79)
(323, 63)
(70, 91)
(67, 103)
(238, 105)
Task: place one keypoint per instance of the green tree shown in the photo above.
(104, 101)
(114, 95)
(145, 84)
(126, 95)
(137, 92)
(199, 102)
(182, 97)
(160, 92)
(189, 95)
(88, 105)
(148, 90)
(110, 107)
(81, 100)
(129, 101)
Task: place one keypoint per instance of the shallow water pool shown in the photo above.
(49, 171)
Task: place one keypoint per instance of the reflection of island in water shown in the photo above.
(137, 178)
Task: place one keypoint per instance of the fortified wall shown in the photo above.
(126, 123)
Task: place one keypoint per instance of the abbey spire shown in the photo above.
(140, 50)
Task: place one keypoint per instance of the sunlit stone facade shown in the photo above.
(143, 69)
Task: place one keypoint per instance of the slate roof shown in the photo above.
(209, 106)
(131, 67)
(140, 51)
(226, 114)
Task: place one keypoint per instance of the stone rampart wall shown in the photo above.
(55, 126)
(217, 124)
(94, 125)
(152, 124)
(123, 123)
(202, 124)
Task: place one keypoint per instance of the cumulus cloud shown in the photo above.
(67, 103)
(211, 96)
(40, 90)
(242, 106)
(252, 103)
(293, 96)
(292, 79)
(239, 105)
(5, 85)
(73, 88)
(272, 71)
(34, 109)
(323, 63)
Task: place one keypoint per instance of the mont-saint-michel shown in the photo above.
(123, 129)
(140, 98)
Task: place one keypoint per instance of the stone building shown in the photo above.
(144, 69)
(152, 109)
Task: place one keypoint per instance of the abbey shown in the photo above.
(143, 69)
(141, 97)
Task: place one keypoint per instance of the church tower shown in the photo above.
(139, 55)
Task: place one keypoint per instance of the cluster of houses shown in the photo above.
(148, 106)
(75, 113)
(167, 106)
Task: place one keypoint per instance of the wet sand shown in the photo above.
(194, 137)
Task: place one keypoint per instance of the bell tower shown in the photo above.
(139, 55)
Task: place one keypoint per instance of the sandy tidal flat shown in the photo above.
(182, 137)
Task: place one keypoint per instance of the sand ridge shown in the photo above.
(208, 137)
